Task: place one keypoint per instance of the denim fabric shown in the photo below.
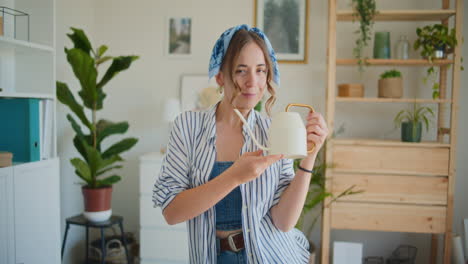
(230, 257)
(229, 209)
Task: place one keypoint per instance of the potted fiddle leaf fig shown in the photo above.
(96, 162)
(411, 122)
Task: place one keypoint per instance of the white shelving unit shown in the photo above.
(29, 191)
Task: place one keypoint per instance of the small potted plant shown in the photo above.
(412, 120)
(390, 84)
(436, 42)
(364, 11)
(96, 161)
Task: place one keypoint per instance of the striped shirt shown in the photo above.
(190, 156)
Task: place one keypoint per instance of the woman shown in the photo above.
(240, 205)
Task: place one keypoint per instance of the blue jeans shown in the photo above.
(230, 257)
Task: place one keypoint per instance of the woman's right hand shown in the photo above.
(251, 165)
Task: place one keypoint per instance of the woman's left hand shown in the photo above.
(317, 132)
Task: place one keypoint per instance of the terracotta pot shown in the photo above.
(391, 87)
(97, 203)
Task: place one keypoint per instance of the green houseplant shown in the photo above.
(317, 194)
(435, 42)
(411, 122)
(96, 162)
(364, 10)
(390, 84)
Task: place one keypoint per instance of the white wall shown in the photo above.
(138, 94)
(80, 14)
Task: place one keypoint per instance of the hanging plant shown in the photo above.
(364, 10)
(433, 38)
(435, 42)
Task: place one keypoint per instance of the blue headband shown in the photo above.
(219, 50)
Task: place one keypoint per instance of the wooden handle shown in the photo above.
(311, 110)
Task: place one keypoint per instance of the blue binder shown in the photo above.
(20, 128)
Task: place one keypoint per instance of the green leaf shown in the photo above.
(82, 168)
(101, 50)
(83, 178)
(426, 122)
(79, 145)
(80, 40)
(119, 147)
(65, 96)
(103, 59)
(258, 107)
(75, 126)
(107, 162)
(317, 199)
(118, 64)
(109, 180)
(108, 169)
(94, 159)
(83, 67)
(106, 128)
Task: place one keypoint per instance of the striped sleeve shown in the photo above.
(286, 176)
(173, 176)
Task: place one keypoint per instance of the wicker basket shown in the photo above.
(115, 250)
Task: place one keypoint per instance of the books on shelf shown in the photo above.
(47, 129)
(27, 128)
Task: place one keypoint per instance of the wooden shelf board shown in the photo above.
(395, 62)
(350, 199)
(390, 100)
(388, 172)
(401, 15)
(24, 44)
(390, 143)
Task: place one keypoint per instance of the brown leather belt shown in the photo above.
(234, 242)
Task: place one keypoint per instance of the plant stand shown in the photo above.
(81, 221)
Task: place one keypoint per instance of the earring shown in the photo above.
(220, 89)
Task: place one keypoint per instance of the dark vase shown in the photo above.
(411, 132)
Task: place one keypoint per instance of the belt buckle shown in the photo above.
(231, 243)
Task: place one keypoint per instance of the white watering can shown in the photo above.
(287, 134)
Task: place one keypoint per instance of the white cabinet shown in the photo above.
(30, 213)
(37, 213)
(159, 242)
(7, 235)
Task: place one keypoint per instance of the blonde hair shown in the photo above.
(240, 39)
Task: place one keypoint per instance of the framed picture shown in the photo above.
(285, 24)
(179, 36)
(198, 92)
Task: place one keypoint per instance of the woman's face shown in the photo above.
(250, 74)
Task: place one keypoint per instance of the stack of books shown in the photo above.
(6, 159)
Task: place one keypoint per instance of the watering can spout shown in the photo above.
(260, 146)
